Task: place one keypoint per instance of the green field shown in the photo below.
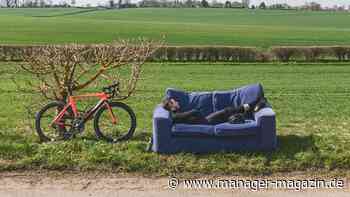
(311, 102)
(262, 28)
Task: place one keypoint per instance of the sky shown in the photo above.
(328, 3)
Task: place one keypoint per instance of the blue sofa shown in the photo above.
(258, 133)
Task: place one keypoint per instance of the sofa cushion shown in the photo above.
(250, 127)
(222, 99)
(203, 101)
(247, 94)
(251, 94)
(192, 130)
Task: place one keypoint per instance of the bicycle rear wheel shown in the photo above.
(44, 118)
(123, 129)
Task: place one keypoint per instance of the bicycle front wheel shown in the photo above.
(122, 129)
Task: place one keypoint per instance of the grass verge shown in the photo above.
(311, 101)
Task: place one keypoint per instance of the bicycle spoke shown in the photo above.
(48, 130)
(117, 130)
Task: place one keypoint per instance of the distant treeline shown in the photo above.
(124, 4)
(219, 53)
(253, 54)
(36, 4)
(168, 4)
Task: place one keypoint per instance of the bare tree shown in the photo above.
(111, 4)
(12, 3)
(42, 3)
(8, 3)
(63, 70)
(246, 3)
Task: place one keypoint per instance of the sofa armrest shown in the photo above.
(266, 120)
(162, 123)
(264, 112)
(160, 112)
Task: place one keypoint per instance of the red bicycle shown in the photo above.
(113, 121)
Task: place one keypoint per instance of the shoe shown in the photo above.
(236, 119)
(261, 104)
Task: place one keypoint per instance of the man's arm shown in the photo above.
(185, 116)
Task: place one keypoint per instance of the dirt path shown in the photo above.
(56, 184)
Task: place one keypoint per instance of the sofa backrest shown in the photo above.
(249, 94)
(192, 100)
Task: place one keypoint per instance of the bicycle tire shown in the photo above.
(43, 136)
(110, 138)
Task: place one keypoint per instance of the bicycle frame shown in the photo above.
(72, 104)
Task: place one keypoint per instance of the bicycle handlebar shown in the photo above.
(112, 89)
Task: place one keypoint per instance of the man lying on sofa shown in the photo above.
(228, 114)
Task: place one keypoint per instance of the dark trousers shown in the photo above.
(193, 117)
(212, 119)
(222, 115)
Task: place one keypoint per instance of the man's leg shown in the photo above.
(223, 115)
(240, 109)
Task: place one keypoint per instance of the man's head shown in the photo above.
(171, 104)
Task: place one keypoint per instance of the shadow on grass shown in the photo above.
(141, 136)
(292, 144)
(296, 152)
(89, 138)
